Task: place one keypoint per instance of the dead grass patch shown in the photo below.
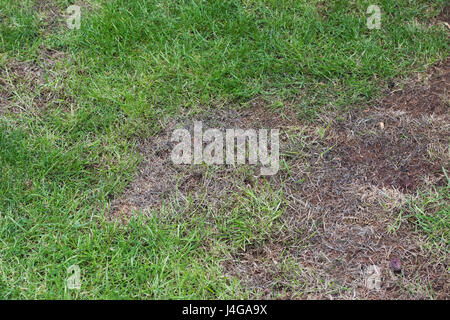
(32, 86)
(425, 94)
(346, 180)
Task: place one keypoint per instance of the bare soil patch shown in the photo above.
(390, 148)
(52, 16)
(24, 85)
(427, 94)
(346, 180)
(15, 77)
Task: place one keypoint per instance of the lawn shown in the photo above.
(77, 104)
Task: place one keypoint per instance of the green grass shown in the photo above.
(133, 63)
(51, 217)
(431, 214)
(152, 58)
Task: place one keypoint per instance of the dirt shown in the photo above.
(24, 85)
(394, 156)
(424, 95)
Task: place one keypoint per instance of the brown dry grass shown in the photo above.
(345, 191)
(33, 86)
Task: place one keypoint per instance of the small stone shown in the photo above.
(396, 265)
